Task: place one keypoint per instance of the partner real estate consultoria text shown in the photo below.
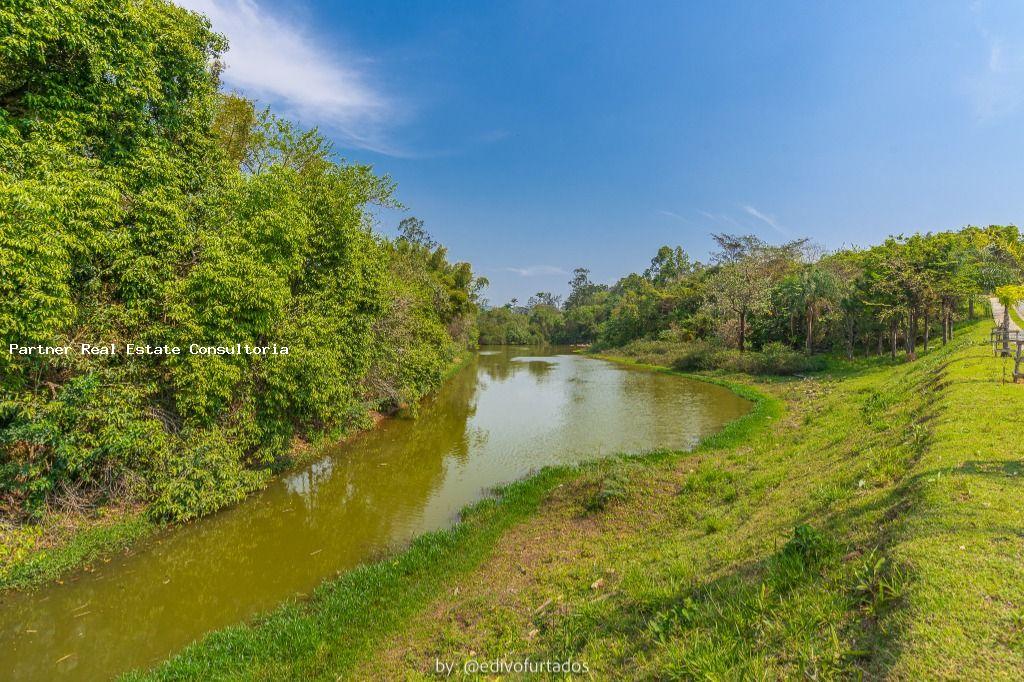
(146, 349)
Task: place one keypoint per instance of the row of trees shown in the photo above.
(900, 294)
(138, 204)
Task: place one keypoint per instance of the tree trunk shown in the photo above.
(881, 342)
(743, 328)
(927, 330)
(810, 331)
(894, 329)
(912, 335)
(945, 324)
(970, 308)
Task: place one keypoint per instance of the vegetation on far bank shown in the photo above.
(889, 298)
(862, 531)
(139, 204)
(33, 554)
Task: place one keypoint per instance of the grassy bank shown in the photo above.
(871, 528)
(44, 552)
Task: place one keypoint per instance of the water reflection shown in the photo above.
(509, 411)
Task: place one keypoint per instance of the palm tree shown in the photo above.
(818, 289)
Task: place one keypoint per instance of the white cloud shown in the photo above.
(537, 270)
(280, 63)
(766, 219)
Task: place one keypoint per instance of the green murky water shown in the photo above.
(507, 413)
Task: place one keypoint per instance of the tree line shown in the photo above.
(896, 297)
(140, 204)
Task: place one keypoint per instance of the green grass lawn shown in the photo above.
(865, 520)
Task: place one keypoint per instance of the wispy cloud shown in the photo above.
(768, 220)
(672, 214)
(997, 88)
(723, 220)
(277, 61)
(537, 270)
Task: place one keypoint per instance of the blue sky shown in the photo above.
(537, 137)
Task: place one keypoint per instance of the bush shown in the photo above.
(648, 351)
(201, 479)
(699, 355)
(774, 358)
(693, 356)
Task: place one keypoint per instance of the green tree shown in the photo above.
(668, 265)
(818, 290)
(139, 205)
(747, 270)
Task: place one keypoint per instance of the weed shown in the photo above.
(713, 524)
(664, 625)
(612, 487)
(875, 406)
(877, 583)
(809, 545)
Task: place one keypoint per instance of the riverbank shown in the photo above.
(866, 529)
(64, 541)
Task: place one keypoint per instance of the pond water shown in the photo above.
(510, 411)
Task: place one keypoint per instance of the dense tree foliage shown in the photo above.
(140, 205)
(896, 296)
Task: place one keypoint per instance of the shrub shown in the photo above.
(775, 358)
(201, 479)
(699, 355)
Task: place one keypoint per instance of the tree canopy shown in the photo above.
(892, 295)
(140, 204)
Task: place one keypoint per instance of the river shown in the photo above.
(508, 412)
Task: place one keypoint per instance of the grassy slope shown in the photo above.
(962, 531)
(688, 565)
